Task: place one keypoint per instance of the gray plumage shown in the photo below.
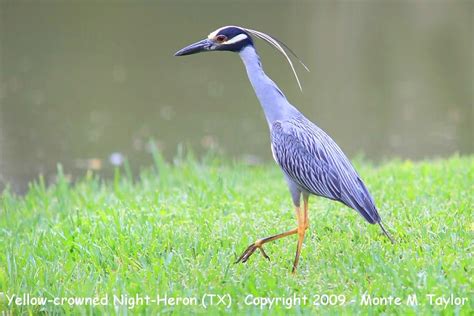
(314, 162)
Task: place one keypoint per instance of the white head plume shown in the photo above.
(279, 46)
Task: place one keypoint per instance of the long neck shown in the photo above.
(272, 100)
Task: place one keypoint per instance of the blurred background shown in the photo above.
(88, 83)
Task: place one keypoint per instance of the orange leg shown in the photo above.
(303, 224)
(259, 245)
(306, 218)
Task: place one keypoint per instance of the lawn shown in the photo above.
(176, 230)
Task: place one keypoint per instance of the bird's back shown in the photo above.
(317, 165)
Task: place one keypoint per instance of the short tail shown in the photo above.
(386, 233)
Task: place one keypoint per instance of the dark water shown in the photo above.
(87, 83)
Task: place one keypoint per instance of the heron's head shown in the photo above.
(227, 38)
(234, 39)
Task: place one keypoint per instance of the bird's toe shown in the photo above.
(250, 250)
(264, 253)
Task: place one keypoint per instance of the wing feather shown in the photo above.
(314, 161)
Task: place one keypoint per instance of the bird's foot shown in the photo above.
(250, 250)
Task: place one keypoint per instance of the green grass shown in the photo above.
(177, 230)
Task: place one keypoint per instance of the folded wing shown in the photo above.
(314, 161)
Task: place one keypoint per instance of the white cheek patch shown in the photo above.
(236, 39)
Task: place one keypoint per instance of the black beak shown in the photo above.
(198, 47)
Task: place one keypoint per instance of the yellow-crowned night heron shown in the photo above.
(311, 161)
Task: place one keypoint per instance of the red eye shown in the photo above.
(221, 38)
